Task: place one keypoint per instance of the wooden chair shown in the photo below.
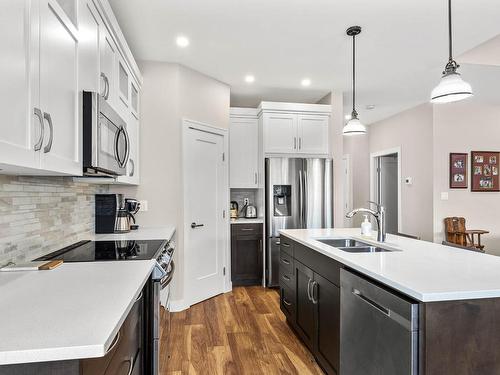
(456, 233)
(462, 247)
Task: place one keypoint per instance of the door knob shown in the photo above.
(194, 225)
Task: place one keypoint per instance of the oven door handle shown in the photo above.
(169, 276)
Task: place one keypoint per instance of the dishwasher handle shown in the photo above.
(371, 302)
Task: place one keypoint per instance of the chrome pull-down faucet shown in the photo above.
(379, 216)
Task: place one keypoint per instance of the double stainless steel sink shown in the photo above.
(351, 246)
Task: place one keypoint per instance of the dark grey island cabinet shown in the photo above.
(310, 300)
(246, 254)
(459, 337)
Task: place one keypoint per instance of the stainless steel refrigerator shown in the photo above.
(299, 194)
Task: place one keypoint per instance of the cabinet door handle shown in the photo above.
(260, 246)
(294, 143)
(314, 292)
(48, 146)
(38, 113)
(300, 143)
(255, 178)
(131, 365)
(115, 341)
(309, 297)
(287, 262)
(105, 94)
(286, 278)
(132, 164)
(284, 244)
(286, 302)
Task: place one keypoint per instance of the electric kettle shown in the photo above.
(250, 212)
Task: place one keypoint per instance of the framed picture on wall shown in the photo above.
(484, 170)
(458, 171)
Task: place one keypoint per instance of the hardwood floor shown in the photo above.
(242, 332)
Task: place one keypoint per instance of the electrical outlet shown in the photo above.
(246, 200)
(144, 205)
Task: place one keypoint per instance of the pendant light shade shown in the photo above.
(354, 126)
(452, 87)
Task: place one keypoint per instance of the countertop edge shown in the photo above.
(420, 297)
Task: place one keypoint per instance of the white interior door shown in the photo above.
(387, 189)
(205, 224)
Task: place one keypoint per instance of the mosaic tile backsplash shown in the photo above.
(43, 214)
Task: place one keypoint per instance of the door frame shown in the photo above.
(224, 195)
(373, 156)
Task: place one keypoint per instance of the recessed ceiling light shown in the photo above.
(306, 82)
(249, 78)
(182, 41)
(370, 106)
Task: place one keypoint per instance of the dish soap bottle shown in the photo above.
(366, 227)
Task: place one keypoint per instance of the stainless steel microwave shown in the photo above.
(106, 144)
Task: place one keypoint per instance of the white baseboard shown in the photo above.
(179, 305)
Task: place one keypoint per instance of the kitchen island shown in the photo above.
(454, 294)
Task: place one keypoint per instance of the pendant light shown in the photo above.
(452, 87)
(354, 126)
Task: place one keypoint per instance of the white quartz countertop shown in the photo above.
(423, 270)
(71, 312)
(143, 233)
(242, 220)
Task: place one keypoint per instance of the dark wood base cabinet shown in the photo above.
(125, 354)
(310, 300)
(246, 254)
(454, 338)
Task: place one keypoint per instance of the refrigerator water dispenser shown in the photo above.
(282, 200)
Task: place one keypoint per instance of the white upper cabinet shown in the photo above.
(89, 24)
(243, 152)
(134, 99)
(20, 128)
(295, 128)
(280, 132)
(312, 134)
(41, 133)
(61, 150)
(108, 56)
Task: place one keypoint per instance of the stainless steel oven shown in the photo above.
(106, 144)
(161, 283)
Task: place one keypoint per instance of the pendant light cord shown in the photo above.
(354, 113)
(450, 38)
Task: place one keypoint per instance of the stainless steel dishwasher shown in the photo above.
(378, 329)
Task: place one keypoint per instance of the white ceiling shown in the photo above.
(401, 51)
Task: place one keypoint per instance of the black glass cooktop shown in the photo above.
(91, 251)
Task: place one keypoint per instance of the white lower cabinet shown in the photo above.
(243, 152)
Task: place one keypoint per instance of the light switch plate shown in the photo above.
(144, 206)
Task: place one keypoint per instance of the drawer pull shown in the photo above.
(139, 296)
(115, 341)
(287, 262)
(286, 278)
(286, 302)
(284, 244)
(247, 229)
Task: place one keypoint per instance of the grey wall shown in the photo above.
(170, 93)
(42, 214)
(412, 131)
(464, 127)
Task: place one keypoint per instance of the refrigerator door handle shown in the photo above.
(301, 201)
(304, 203)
